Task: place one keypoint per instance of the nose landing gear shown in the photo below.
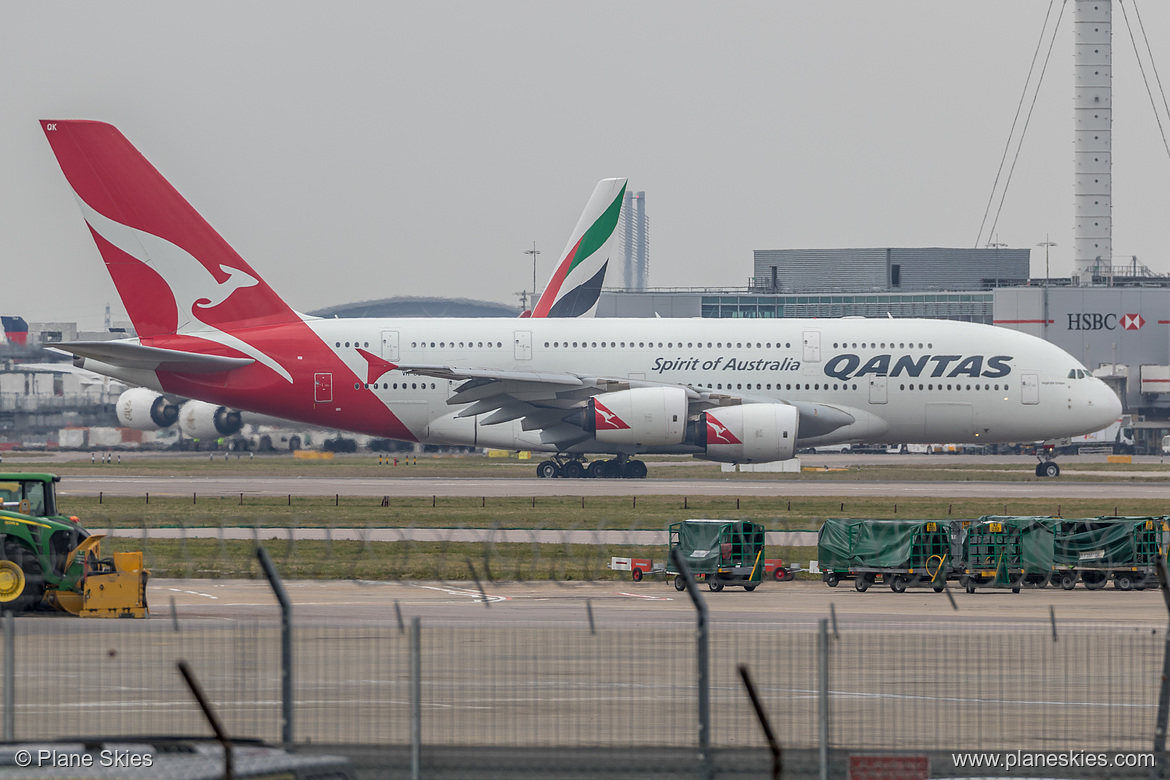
(1047, 468)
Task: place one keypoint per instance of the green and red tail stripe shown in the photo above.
(585, 244)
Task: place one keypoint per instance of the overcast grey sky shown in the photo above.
(357, 150)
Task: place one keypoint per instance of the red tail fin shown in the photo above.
(172, 270)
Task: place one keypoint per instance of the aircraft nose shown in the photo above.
(1104, 405)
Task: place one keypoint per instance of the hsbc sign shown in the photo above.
(1096, 321)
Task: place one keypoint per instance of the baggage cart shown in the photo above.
(720, 552)
(1095, 550)
(903, 553)
(1003, 552)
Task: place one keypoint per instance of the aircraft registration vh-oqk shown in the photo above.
(740, 391)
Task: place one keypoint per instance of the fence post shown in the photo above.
(823, 691)
(1164, 693)
(415, 698)
(286, 645)
(9, 677)
(701, 654)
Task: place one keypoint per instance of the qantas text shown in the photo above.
(849, 366)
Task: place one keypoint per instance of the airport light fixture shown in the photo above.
(997, 245)
(1046, 244)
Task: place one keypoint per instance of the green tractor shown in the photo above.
(50, 560)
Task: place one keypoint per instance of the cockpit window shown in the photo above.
(1078, 373)
(1072, 374)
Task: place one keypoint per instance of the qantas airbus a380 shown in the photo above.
(745, 391)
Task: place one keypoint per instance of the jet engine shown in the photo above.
(643, 416)
(201, 420)
(751, 433)
(145, 410)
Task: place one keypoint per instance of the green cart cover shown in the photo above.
(1020, 543)
(846, 545)
(708, 545)
(1108, 542)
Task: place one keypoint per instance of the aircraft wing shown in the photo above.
(542, 401)
(130, 355)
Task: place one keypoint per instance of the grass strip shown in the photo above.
(621, 513)
(352, 560)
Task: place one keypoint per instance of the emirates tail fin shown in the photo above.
(576, 282)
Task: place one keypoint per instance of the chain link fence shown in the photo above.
(564, 700)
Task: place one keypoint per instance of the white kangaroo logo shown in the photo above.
(721, 432)
(194, 287)
(609, 416)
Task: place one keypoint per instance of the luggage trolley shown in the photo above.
(1004, 551)
(904, 553)
(721, 552)
(1093, 550)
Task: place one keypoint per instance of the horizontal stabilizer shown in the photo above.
(125, 354)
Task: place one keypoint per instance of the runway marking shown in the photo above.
(474, 594)
(194, 593)
(644, 596)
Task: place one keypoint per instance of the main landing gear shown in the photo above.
(1047, 468)
(621, 467)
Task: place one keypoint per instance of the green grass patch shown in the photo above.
(559, 512)
(892, 468)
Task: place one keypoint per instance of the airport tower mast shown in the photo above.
(1093, 112)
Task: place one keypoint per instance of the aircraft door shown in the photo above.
(523, 341)
(877, 389)
(1029, 388)
(323, 388)
(812, 346)
(390, 345)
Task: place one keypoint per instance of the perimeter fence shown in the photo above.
(567, 700)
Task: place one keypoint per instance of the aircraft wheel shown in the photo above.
(598, 469)
(635, 469)
(1094, 580)
(548, 469)
(573, 470)
(1048, 469)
